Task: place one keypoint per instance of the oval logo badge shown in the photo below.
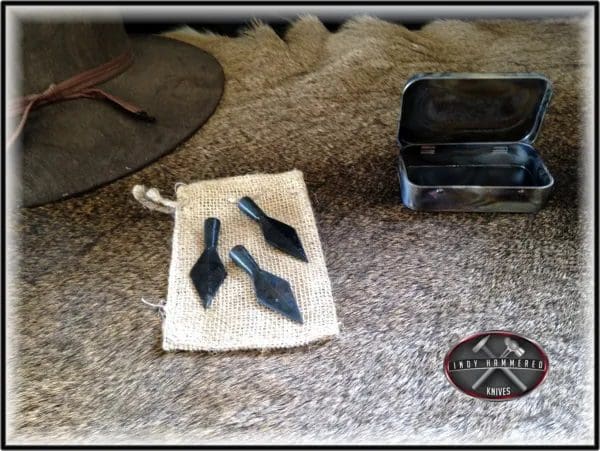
(496, 365)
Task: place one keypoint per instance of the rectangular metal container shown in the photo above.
(466, 142)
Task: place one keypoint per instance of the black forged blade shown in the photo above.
(207, 275)
(271, 291)
(275, 293)
(283, 237)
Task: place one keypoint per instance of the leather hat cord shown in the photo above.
(81, 85)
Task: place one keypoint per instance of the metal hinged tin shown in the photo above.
(466, 142)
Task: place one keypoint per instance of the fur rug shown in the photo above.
(86, 364)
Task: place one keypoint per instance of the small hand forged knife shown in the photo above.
(279, 235)
(271, 291)
(208, 273)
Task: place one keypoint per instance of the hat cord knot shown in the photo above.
(50, 94)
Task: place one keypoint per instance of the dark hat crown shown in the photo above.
(51, 52)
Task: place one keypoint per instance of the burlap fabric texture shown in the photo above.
(236, 320)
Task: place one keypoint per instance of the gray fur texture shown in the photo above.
(85, 361)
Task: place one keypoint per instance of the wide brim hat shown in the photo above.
(76, 140)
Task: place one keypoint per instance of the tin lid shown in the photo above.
(473, 108)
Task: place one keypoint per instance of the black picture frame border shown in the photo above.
(3, 7)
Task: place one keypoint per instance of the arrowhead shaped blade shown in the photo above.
(207, 275)
(283, 237)
(275, 293)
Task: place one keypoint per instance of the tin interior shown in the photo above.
(467, 108)
(513, 165)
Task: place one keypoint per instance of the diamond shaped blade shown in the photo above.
(275, 293)
(271, 291)
(278, 234)
(283, 237)
(207, 275)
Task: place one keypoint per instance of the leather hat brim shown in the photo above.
(70, 147)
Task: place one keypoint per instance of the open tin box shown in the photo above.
(466, 142)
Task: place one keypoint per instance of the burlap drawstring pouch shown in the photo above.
(236, 320)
